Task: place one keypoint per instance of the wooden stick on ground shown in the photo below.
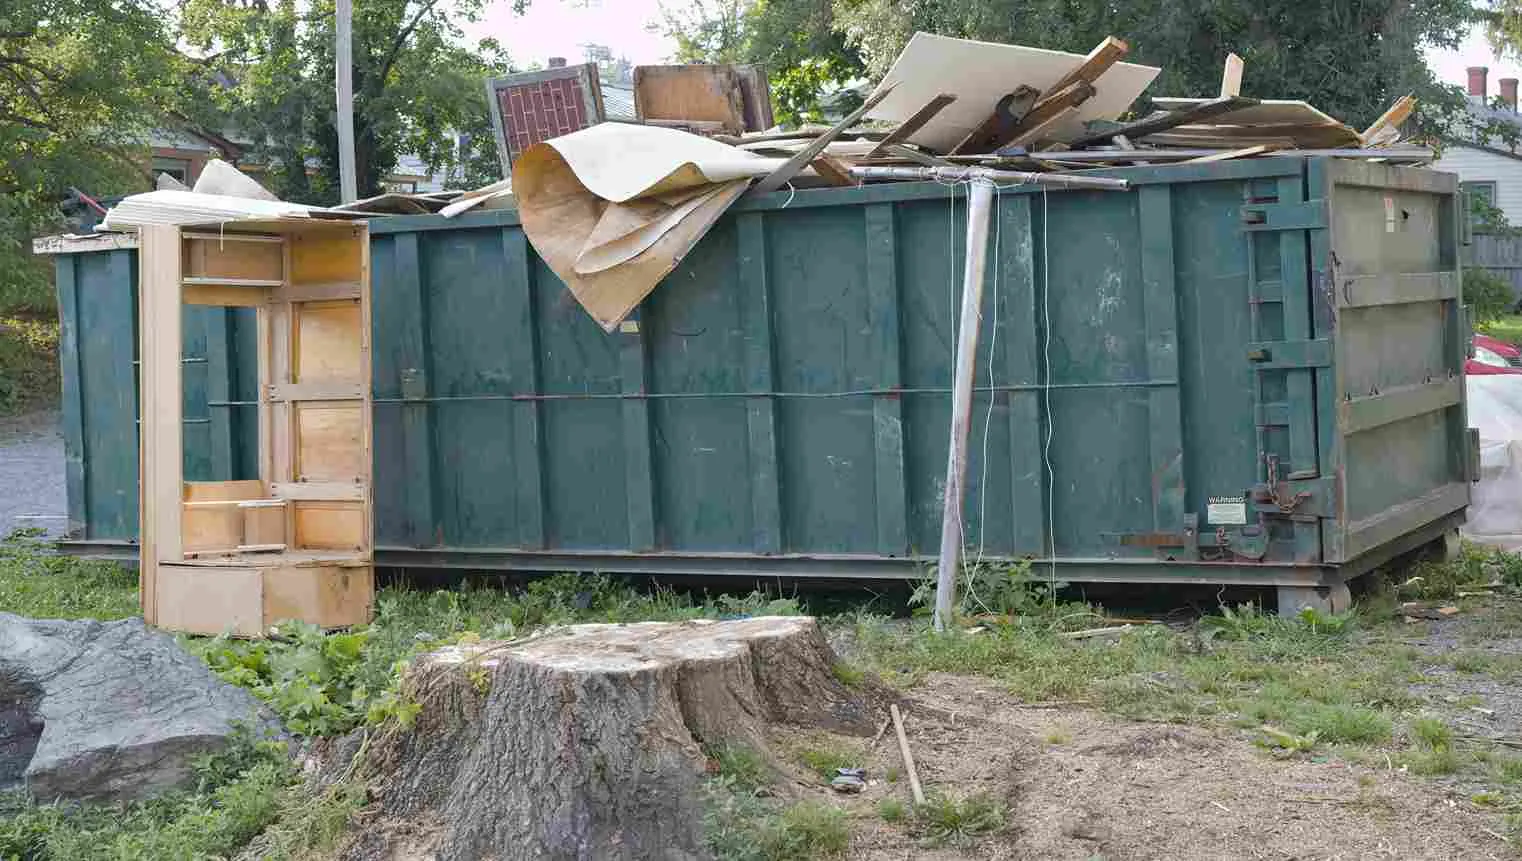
(903, 748)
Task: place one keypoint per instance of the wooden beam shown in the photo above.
(1387, 128)
(913, 124)
(834, 170)
(1058, 103)
(1002, 125)
(801, 159)
(161, 490)
(1231, 77)
(1228, 154)
(1170, 119)
(1035, 133)
(1099, 60)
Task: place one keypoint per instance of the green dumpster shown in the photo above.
(1238, 372)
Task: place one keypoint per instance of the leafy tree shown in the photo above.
(78, 82)
(805, 55)
(1351, 58)
(415, 83)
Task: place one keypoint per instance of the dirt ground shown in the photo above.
(1080, 784)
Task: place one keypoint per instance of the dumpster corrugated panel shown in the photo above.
(1168, 409)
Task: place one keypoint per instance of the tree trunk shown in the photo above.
(587, 743)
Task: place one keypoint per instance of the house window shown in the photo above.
(400, 186)
(179, 168)
(1485, 191)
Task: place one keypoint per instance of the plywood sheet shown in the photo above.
(322, 258)
(1266, 112)
(201, 600)
(328, 341)
(330, 442)
(980, 73)
(213, 258)
(330, 526)
(329, 596)
(692, 92)
(213, 491)
(211, 528)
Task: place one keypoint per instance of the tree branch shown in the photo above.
(401, 39)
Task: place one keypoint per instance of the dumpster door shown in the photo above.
(1386, 266)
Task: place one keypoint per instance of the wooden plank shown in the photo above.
(710, 92)
(760, 410)
(1228, 154)
(298, 491)
(337, 391)
(224, 296)
(914, 155)
(200, 601)
(222, 491)
(1051, 108)
(1386, 129)
(232, 282)
(321, 291)
(204, 528)
(756, 95)
(784, 174)
(1098, 61)
(892, 502)
(264, 521)
(1164, 121)
(329, 526)
(913, 124)
(329, 441)
(1231, 77)
(326, 343)
(160, 437)
(329, 596)
(212, 261)
(325, 257)
(833, 169)
(1002, 125)
(1034, 134)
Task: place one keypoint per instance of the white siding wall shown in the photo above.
(1477, 165)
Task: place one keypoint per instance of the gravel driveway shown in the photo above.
(31, 472)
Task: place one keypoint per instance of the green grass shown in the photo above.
(236, 795)
(892, 810)
(1507, 328)
(944, 819)
(741, 826)
(28, 363)
(746, 769)
(824, 761)
(36, 582)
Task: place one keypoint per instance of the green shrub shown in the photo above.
(1488, 295)
(949, 820)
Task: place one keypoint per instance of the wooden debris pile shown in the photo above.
(956, 103)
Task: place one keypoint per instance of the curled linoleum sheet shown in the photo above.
(612, 209)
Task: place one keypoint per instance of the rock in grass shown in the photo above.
(109, 711)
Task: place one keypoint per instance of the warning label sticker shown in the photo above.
(1227, 511)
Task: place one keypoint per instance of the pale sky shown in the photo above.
(558, 28)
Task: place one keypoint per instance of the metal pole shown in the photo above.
(979, 204)
(963, 174)
(343, 67)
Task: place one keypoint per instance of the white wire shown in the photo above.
(791, 193)
(1046, 393)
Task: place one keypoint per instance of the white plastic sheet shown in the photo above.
(1495, 511)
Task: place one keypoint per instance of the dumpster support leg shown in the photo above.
(979, 204)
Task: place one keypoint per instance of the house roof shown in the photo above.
(617, 101)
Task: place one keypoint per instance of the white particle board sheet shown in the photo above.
(980, 73)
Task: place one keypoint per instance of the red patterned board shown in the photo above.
(537, 106)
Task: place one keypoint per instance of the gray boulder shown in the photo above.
(109, 711)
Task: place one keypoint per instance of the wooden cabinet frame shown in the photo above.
(297, 543)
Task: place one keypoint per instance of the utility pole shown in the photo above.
(343, 68)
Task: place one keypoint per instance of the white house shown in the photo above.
(1489, 167)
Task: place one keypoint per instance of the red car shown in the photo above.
(1493, 357)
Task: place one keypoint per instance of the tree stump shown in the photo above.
(587, 742)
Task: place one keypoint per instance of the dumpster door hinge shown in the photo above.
(1309, 215)
(1274, 355)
